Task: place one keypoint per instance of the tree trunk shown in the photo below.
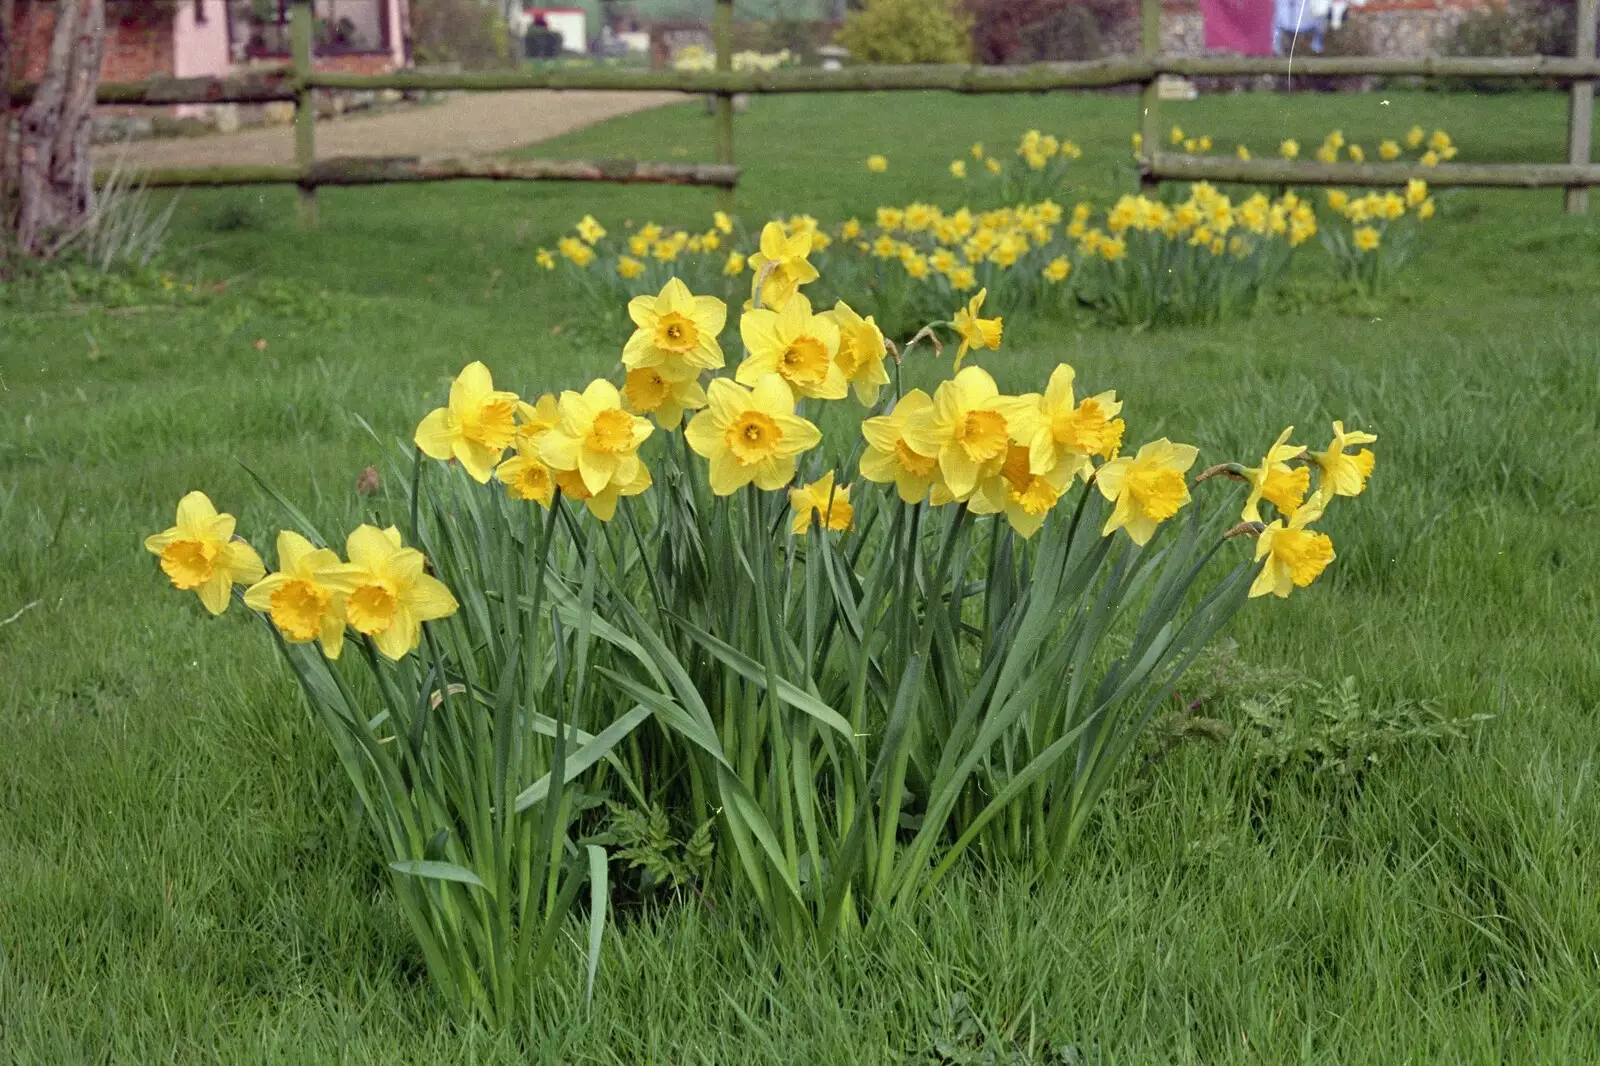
(56, 173)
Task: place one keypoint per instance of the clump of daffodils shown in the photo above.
(1375, 231)
(1425, 148)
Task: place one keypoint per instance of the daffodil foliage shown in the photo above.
(852, 630)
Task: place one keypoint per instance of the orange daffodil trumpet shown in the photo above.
(199, 553)
(1147, 489)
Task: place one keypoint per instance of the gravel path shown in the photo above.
(466, 124)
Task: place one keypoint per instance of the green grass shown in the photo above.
(183, 877)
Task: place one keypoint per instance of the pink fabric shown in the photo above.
(1243, 26)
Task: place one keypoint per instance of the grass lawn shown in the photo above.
(182, 878)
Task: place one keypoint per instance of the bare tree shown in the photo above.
(55, 173)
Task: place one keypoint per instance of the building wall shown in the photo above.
(135, 49)
(200, 46)
(1388, 28)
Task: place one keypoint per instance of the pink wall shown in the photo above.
(200, 49)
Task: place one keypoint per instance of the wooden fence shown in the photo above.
(299, 84)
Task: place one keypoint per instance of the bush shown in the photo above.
(460, 31)
(908, 31)
(1033, 31)
(1517, 28)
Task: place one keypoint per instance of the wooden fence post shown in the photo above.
(305, 109)
(722, 36)
(1581, 111)
(1149, 99)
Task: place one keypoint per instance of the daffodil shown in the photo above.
(1242, 152)
(649, 392)
(590, 229)
(861, 352)
(628, 267)
(1338, 199)
(1147, 488)
(781, 266)
(536, 419)
(829, 502)
(965, 430)
(200, 554)
(877, 164)
(526, 476)
(1057, 270)
(475, 427)
(1275, 481)
(797, 345)
(1414, 137)
(750, 435)
(602, 504)
(992, 165)
(1293, 555)
(677, 332)
(1289, 149)
(1030, 497)
(958, 168)
(1058, 431)
(575, 250)
(1430, 158)
(1357, 153)
(975, 332)
(1425, 209)
(976, 151)
(305, 597)
(389, 594)
(1339, 473)
(723, 221)
(734, 265)
(1365, 238)
(596, 437)
(1416, 191)
(889, 460)
(544, 259)
(1388, 150)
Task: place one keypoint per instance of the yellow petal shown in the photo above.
(195, 510)
(436, 434)
(430, 599)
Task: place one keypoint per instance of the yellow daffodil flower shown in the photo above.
(1414, 137)
(536, 419)
(822, 498)
(723, 221)
(1147, 488)
(596, 437)
(1356, 153)
(649, 392)
(305, 597)
(1338, 199)
(799, 346)
(1289, 149)
(734, 266)
(1340, 474)
(1388, 150)
(576, 251)
(750, 435)
(475, 428)
(1057, 270)
(1430, 158)
(963, 279)
(781, 266)
(1425, 209)
(975, 332)
(1176, 136)
(629, 267)
(861, 352)
(1057, 431)
(1294, 555)
(1030, 497)
(1275, 481)
(677, 332)
(965, 430)
(877, 164)
(889, 459)
(602, 504)
(976, 151)
(390, 595)
(1416, 191)
(200, 554)
(992, 165)
(958, 169)
(590, 229)
(526, 476)
(1365, 238)
(544, 260)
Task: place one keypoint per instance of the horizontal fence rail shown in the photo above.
(387, 170)
(959, 78)
(299, 83)
(1168, 167)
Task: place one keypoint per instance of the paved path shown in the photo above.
(465, 124)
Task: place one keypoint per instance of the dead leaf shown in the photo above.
(368, 483)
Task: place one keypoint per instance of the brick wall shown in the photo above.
(136, 49)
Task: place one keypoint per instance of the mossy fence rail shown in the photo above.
(298, 84)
